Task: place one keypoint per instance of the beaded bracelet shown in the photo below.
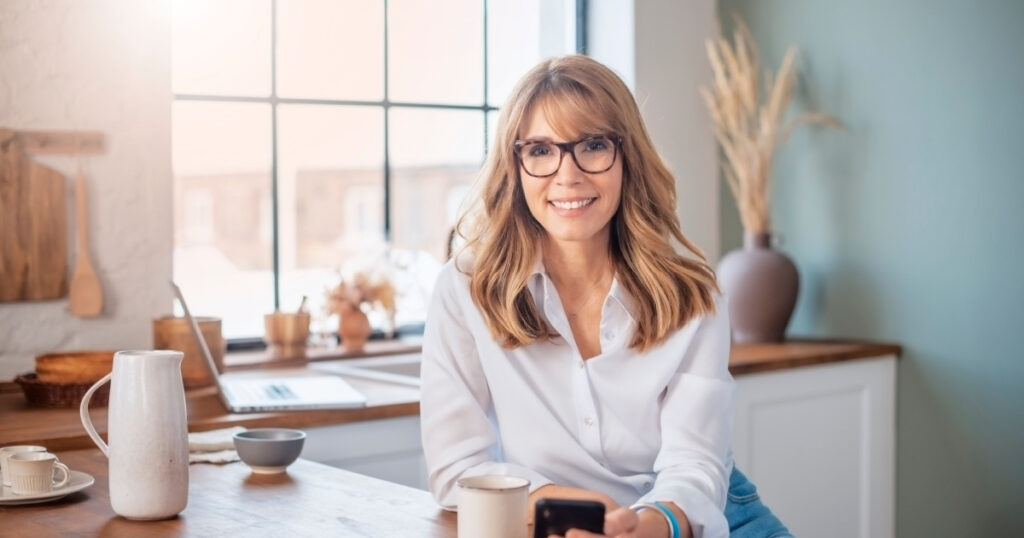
(670, 518)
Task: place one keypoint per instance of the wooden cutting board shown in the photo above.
(33, 226)
(33, 214)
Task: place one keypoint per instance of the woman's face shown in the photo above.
(571, 205)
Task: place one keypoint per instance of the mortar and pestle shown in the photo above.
(287, 333)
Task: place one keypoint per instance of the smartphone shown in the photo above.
(556, 516)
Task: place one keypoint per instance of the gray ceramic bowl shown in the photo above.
(269, 450)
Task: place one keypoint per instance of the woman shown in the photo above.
(569, 343)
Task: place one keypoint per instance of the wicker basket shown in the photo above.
(41, 394)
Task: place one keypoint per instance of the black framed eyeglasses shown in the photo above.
(543, 158)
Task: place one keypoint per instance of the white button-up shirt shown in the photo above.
(639, 427)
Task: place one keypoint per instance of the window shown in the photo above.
(314, 135)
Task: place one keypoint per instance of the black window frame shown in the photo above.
(385, 104)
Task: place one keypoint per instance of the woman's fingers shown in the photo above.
(620, 521)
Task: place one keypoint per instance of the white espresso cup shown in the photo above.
(493, 506)
(8, 451)
(33, 472)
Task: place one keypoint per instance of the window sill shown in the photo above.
(244, 360)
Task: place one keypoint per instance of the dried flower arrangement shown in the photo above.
(362, 289)
(748, 130)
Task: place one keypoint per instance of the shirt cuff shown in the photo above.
(707, 519)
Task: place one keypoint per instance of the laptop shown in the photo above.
(246, 394)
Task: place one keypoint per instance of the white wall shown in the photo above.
(657, 46)
(100, 65)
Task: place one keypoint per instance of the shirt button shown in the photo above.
(608, 335)
(647, 485)
(580, 364)
(588, 421)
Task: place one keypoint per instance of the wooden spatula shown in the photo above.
(86, 295)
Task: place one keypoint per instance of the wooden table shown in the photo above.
(227, 500)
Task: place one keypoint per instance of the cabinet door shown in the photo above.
(819, 443)
(389, 449)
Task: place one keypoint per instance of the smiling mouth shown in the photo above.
(574, 204)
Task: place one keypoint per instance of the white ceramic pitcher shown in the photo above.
(148, 433)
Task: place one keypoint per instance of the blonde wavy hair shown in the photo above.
(579, 96)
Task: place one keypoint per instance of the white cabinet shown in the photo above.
(819, 443)
(389, 449)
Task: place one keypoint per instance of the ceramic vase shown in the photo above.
(760, 285)
(354, 330)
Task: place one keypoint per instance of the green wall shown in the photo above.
(908, 227)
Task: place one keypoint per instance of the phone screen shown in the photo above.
(556, 516)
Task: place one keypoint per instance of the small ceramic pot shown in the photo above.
(354, 330)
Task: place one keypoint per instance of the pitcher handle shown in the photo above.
(83, 411)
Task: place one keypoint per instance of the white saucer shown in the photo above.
(78, 482)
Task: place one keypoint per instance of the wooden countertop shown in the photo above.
(60, 429)
(794, 353)
(309, 500)
(237, 360)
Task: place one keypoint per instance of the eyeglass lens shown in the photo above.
(592, 155)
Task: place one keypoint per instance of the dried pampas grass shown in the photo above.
(748, 130)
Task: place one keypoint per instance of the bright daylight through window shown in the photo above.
(314, 137)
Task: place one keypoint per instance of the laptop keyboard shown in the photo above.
(308, 392)
(262, 391)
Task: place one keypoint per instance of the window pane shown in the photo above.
(221, 48)
(436, 52)
(330, 50)
(434, 155)
(522, 33)
(222, 214)
(330, 195)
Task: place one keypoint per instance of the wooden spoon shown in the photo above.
(86, 295)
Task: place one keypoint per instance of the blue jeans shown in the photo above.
(748, 517)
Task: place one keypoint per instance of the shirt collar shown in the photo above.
(619, 294)
(539, 275)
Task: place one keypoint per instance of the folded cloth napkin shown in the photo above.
(214, 446)
(218, 456)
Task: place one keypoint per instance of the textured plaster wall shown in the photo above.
(100, 65)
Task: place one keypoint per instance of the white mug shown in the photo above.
(8, 451)
(32, 472)
(493, 506)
